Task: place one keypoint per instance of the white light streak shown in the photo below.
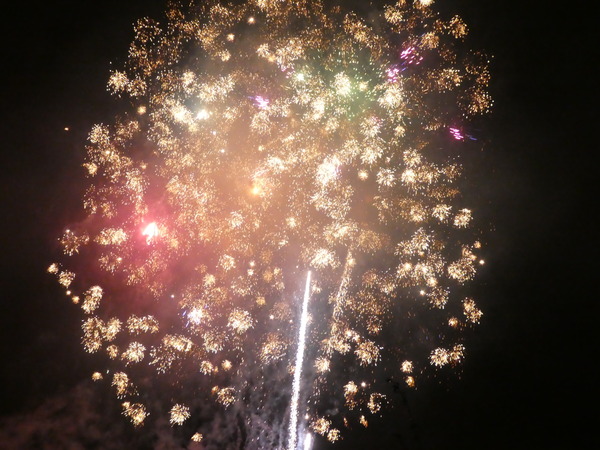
(293, 430)
(308, 441)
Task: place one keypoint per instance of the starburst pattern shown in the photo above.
(265, 139)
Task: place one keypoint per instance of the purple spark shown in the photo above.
(392, 74)
(460, 135)
(261, 102)
(457, 134)
(410, 56)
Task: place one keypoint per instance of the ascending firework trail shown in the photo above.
(298, 367)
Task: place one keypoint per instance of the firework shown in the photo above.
(264, 139)
(179, 414)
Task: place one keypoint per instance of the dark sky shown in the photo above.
(527, 381)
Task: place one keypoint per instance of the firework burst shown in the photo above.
(265, 139)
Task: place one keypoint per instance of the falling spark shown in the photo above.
(293, 429)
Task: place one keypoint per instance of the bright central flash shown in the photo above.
(151, 231)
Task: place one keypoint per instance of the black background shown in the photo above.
(527, 380)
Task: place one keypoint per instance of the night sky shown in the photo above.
(527, 378)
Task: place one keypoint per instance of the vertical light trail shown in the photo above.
(293, 430)
(308, 441)
(340, 299)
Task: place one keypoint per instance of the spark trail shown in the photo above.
(298, 367)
